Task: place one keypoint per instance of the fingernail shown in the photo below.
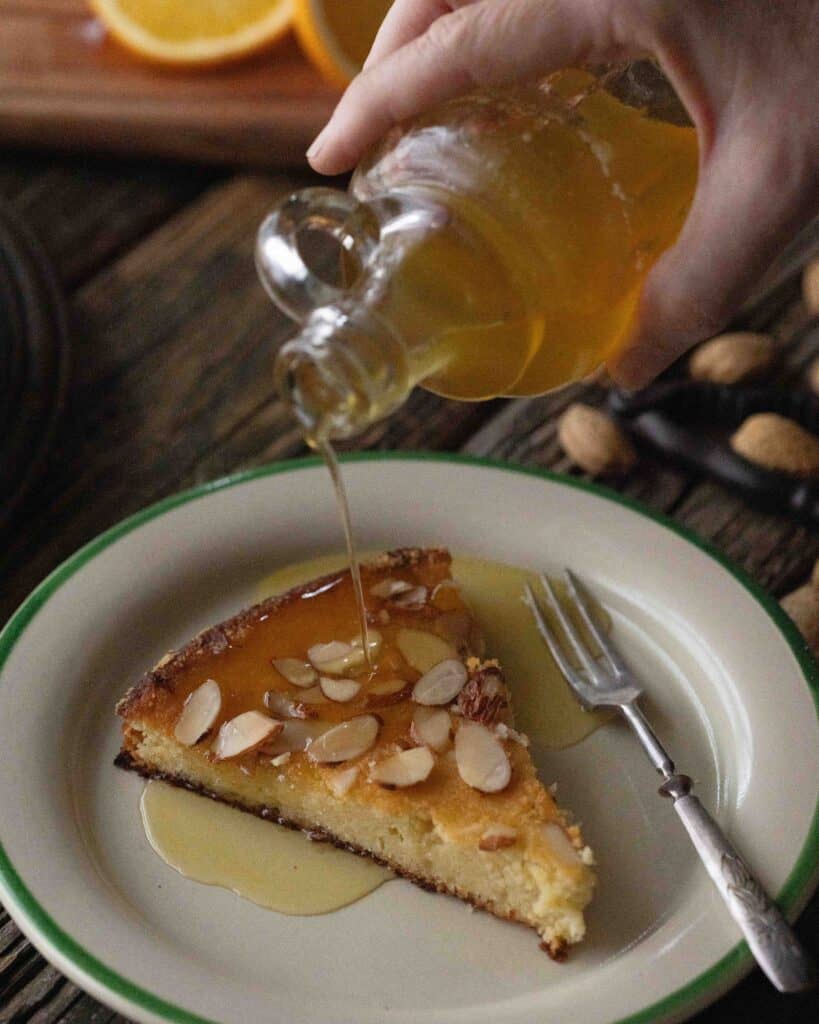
(316, 146)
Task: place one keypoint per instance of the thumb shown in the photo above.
(748, 202)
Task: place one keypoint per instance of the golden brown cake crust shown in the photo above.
(217, 639)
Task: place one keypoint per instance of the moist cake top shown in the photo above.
(297, 658)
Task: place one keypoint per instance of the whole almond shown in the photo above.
(810, 286)
(777, 443)
(594, 441)
(803, 608)
(732, 358)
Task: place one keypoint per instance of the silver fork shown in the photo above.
(608, 682)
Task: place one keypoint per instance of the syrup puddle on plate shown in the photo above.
(283, 870)
(269, 864)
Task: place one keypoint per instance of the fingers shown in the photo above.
(484, 43)
(405, 21)
(750, 199)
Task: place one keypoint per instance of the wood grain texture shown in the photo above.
(64, 83)
(85, 212)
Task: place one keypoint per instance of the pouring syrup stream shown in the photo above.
(325, 449)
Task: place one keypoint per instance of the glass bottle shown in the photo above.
(494, 246)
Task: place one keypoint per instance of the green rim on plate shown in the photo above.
(42, 925)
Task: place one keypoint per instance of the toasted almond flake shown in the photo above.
(406, 768)
(346, 740)
(281, 759)
(388, 691)
(497, 837)
(458, 626)
(342, 780)
(244, 733)
(431, 727)
(315, 695)
(560, 844)
(334, 657)
(441, 684)
(386, 687)
(299, 673)
(280, 704)
(423, 650)
(389, 588)
(480, 757)
(414, 598)
(446, 595)
(374, 641)
(295, 735)
(340, 690)
(199, 712)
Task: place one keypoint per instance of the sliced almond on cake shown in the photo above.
(406, 768)
(295, 671)
(440, 684)
(244, 733)
(431, 727)
(199, 713)
(345, 741)
(482, 761)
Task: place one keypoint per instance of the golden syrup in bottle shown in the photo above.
(497, 245)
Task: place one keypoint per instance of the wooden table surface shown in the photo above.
(172, 343)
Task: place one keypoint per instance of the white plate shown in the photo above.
(732, 693)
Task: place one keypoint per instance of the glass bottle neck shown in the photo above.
(344, 371)
(351, 363)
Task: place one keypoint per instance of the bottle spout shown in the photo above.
(297, 287)
(343, 371)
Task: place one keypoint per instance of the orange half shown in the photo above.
(195, 33)
(337, 34)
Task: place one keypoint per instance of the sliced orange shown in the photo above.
(337, 34)
(196, 31)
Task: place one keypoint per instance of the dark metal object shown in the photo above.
(688, 421)
(33, 358)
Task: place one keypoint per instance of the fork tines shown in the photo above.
(601, 681)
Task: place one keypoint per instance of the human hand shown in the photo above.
(746, 72)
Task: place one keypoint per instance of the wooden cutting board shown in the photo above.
(65, 83)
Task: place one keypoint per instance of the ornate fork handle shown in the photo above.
(773, 943)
